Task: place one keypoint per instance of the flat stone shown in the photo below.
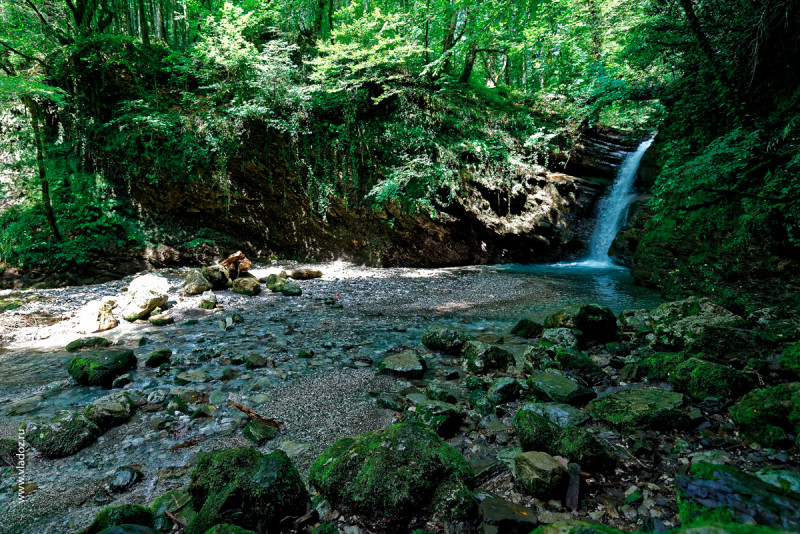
(556, 388)
(408, 364)
(500, 516)
(540, 474)
(633, 409)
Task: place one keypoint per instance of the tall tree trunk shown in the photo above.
(33, 109)
(449, 38)
(143, 23)
(699, 35)
(469, 63)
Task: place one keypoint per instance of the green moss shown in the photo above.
(395, 473)
(444, 339)
(87, 342)
(575, 527)
(535, 432)
(726, 528)
(765, 415)
(580, 445)
(64, 435)
(158, 357)
(245, 487)
(660, 365)
(635, 409)
(701, 379)
(8, 449)
(100, 367)
(325, 528)
(125, 514)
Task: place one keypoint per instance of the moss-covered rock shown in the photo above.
(582, 446)
(99, 367)
(558, 338)
(540, 474)
(178, 502)
(228, 529)
(560, 414)
(395, 473)
(442, 392)
(245, 488)
(574, 526)
(110, 410)
(527, 328)
(408, 364)
(579, 363)
(548, 386)
(246, 286)
(64, 435)
(128, 528)
(276, 281)
(534, 431)
(93, 342)
(218, 276)
(125, 514)
(505, 389)
(700, 379)
(640, 408)
(764, 416)
(259, 432)
(444, 418)
(680, 324)
(789, 359)
(595, 322)
(195, 283)
(444, 339)
(158, 356)
(725, 494)
(291, 290)
(478, 357)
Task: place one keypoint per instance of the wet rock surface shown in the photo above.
(312, 364)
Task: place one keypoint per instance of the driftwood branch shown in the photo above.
(255, 416)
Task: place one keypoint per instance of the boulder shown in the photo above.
(217, 276)
(558, 338)
(442, 392)
(640, 408)
(208, 301)
(580, 364)
(99, 367)
(679, 324)
(291, 290)
(595, 322)
(695, 377)
(534, 431)
(562, 415)
(527, 328)
(442, 417)
(97, 316)
(123, 515)
(500, 516)
(394, 474)
(766, 415)
(546, 386)
(178, 502)
(109, 411)
(124, 478)
(88, 343)
(275, 281)
(195, 283)
(259, 432)
(408, 364)
(246, 488)
(541, 475)
(246, 286)
(145, 294)
(505, 389)
(161, 319)
(444, 339)
(305, 274)
(725, 493)
(478, 357)
(158, 357)
(64, 435)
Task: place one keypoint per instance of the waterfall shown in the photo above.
(613, 208)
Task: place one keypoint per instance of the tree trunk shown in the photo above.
(143, 24)
(469, 64)
(43, 181)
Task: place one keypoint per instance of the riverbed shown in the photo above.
(349, 319)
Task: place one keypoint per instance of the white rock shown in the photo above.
(97, 316)
(146, 293)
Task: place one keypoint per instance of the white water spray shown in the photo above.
(613, 208)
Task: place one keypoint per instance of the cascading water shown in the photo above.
(613, 208)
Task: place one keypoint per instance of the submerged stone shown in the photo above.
(393, 474)
(93, 342)
(99, 367)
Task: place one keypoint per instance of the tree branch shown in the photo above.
(58, 34)
(26, 56)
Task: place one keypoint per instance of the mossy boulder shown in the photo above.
(574, 526)
(393, 474)
(540, 474)
(93, 342)
(700, 379)
(560, 414)
(217, 276)
(291, 290)
(444, 392)
(407, 364)
(478, 357)
(125, 514)
(110, 410)
(444, 418)
(558, 338)
(444, 339)
(228, 529)
(534, 431)
(195, 283)
(505, 389)
(128, 528)
(595, 322)
(553, 387)
(765, 416)
(680, 324)
(640, 408)
(246, 286)
(580, 364)
(724, 493)
(582, 446)
(527, 328)
(276, 281)
(245, 488)
(158, 357)
(99, 367)
(178, 502)
(64, 435)
(789, 359)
